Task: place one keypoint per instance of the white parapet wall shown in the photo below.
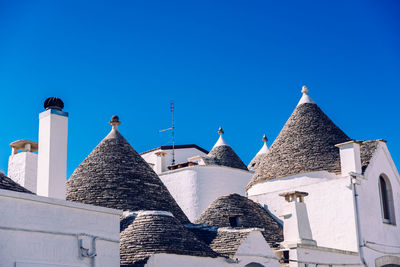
(182, 153)
(43, 232)
(320, 256)
(195, 188)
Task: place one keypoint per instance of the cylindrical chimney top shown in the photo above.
(53, 103)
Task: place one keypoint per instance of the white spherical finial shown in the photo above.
(304, 89)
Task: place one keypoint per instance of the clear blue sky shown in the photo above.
(238, 64)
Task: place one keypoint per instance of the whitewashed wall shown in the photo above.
(173, 260)
(329, 205)
(41, 232)
(255, 249)
(195, 187)
(373, 229)
(181, 155)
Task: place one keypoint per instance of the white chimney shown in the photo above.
(160, 163)
(22, 167)
(52, 156)
(350, 159)
(296, 226)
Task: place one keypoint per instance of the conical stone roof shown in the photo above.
(8, 184)
(305, 144)
(251, 215)
(114, 175)
(222, 154)
(155, 232)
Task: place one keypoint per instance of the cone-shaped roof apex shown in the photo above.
(306, 143)
(114, 175)
(257, 158)
(223, 154)
(221, 141)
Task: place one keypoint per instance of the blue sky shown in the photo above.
(238, 64)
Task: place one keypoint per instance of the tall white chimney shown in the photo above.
(52, 156)
(350, 159)
(22, 166)
(296, 226)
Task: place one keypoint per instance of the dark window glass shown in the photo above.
(384, 197)
(234, 221)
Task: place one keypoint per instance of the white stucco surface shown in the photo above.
(173, 260)
(195, 188)
(22, 168)
(255, 249)
(42, 232)
(329, 205)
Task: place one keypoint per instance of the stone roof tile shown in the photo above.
(251, 215)
(150, 234)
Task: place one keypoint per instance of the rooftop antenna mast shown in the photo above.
(172, 109)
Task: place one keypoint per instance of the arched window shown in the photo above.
(386, 195)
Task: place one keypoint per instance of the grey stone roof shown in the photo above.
(8, 184)
(114, 175)
(367, 150)
(224, 242)
(306, 143)
(251, 214)
(151, 234)
(227, 243)
(255, 162)
(224, 156)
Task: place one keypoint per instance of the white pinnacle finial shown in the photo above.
(264, 148)
(305, 98)
(221, 141)
(304, 90)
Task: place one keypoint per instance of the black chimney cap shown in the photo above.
(53, 103)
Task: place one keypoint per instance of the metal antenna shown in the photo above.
(172, 109)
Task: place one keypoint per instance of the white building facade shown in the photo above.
(353, 192)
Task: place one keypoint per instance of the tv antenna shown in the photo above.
(172, 129)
